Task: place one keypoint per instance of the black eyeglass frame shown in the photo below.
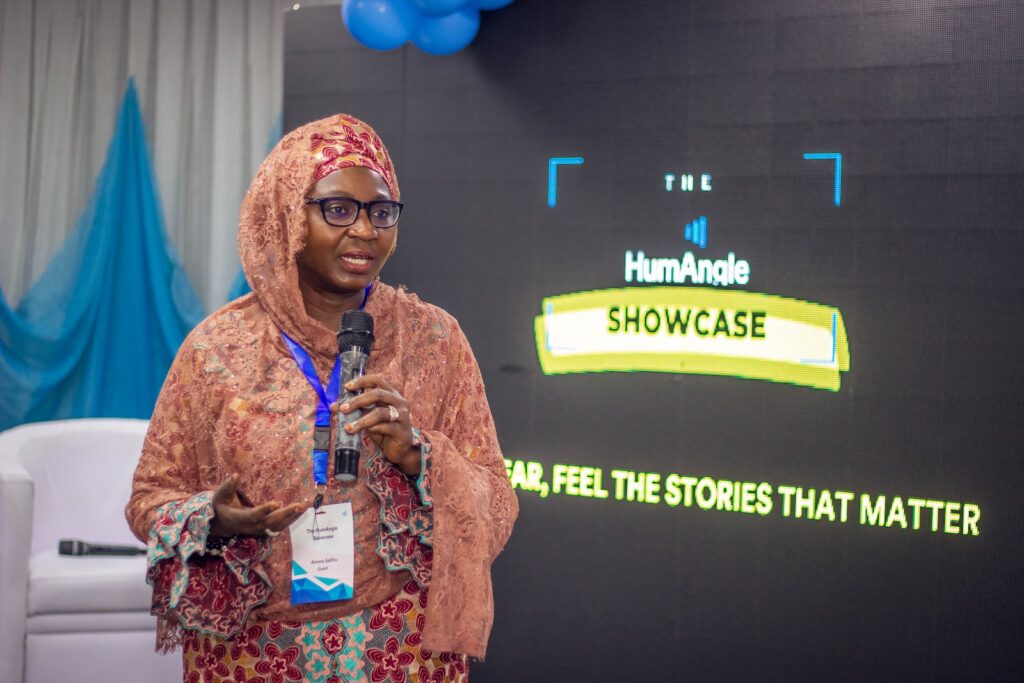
(367, 206)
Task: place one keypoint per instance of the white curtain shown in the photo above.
(209, 76)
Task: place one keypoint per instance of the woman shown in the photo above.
(225, 480)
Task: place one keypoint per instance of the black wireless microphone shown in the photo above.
(355, 339)
(75, 546)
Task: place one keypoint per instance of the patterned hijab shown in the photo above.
(272, 228)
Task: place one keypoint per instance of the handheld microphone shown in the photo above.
(75, 546)
(355, 339)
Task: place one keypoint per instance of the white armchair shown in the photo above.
(73, 618)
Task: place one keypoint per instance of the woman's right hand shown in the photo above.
(232, 517)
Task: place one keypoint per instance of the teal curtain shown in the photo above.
(95, 335)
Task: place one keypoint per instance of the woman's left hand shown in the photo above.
(385, 418)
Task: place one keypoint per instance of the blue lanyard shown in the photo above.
(325, 397)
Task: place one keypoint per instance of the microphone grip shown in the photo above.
(346, 446)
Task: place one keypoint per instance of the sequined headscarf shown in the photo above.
(272, 227)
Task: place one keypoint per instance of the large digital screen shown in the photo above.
(744, 280)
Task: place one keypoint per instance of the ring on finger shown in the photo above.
(392, 414)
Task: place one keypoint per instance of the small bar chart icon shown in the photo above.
(697, 231)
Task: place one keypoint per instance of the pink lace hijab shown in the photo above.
(234, 402)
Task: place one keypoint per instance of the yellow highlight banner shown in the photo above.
(696, 330)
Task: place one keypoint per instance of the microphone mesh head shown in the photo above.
(356, 331)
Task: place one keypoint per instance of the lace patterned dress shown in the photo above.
(234, 402)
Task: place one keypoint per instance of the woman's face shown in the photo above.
(345, 260)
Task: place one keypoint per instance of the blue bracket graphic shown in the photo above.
(553, 164)
(825, 361)
(839, 169)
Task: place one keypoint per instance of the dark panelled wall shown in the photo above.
(925, 100)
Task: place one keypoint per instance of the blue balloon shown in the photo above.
(447, 34)
(439, 6)
(490, 4)
(380, 24)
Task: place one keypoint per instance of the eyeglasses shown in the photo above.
(342, 212)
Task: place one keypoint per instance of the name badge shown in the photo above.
(323, 554)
